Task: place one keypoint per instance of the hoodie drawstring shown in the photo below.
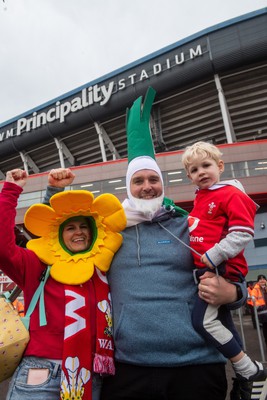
(138, 245)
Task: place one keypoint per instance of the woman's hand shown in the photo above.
(17, 176)
(216, 290)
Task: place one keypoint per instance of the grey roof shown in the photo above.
(187, 106)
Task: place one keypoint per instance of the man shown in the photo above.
(158, 353)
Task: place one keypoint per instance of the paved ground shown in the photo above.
(251, 343)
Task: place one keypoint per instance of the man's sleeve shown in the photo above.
(50, 191)
(242, 294)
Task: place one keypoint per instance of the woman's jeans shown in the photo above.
(19, 389)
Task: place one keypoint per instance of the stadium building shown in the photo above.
(211, 86)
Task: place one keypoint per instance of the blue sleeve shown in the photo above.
(50, 191)
(242, 299)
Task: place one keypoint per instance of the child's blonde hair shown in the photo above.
(200, 150)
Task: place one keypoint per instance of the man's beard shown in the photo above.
(148, 207)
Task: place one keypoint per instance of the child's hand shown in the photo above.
(204, 260)
(17, 176)
(60, 177)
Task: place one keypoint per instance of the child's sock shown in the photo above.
(246, 367)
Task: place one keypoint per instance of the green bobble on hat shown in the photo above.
(139, 139)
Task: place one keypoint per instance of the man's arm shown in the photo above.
(217, 291)
(58, 179)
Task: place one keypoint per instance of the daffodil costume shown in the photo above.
(77, 271)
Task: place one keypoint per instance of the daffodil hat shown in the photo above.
(106, 219)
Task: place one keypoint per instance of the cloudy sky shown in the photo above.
(50, 47)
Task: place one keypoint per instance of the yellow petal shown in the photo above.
(112, 241)
(71, 201)
(39, 218)
(116, 222)
(72, 273)
(42, 249)
(103, 260)
(108, 206)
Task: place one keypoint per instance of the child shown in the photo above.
(220, 224)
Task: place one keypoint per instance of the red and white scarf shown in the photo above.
(88, 344)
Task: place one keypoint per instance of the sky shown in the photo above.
(51, 47)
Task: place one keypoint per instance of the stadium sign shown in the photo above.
(98, 94)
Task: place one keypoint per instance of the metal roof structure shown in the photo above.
(210, 86)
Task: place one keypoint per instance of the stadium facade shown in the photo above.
(210, 86)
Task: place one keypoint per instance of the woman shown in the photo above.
(77, 238)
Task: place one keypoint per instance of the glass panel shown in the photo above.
(171, 178)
